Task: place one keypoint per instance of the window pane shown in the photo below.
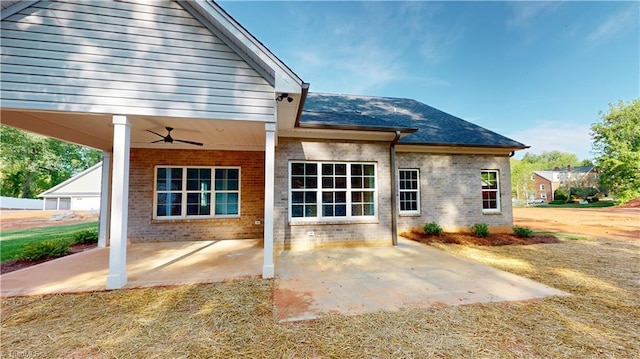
(227, 179)
(311, 169)
(369, 182)
(341, 197)
(327, 182)
(368, 210)
(297, 168)
(169, 179)
(226, 203)
(341, 210)
(327, 211)
(297, 211)
(356, 182)
(341, 182)
(169, 204)
(327, 169)
(310, 197)
(297, 182)
(310, 211)
(297, 197)
(369, 170)
(311, 182)
(341, 170)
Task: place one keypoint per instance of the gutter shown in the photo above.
(394, 190)
(303, 98)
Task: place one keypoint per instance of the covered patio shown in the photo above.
(148, 264)
(109, 78)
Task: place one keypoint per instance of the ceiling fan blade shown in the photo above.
(155, 133)
(157, 141)
(189, 142)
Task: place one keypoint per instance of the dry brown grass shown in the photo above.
(235, 319)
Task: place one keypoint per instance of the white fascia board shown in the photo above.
(245, 44)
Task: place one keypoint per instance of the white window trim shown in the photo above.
(344, 219)
(542, 187)
(498, 196)
(417, 211)
(184, 192)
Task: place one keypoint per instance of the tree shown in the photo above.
(522, 186)
(31, 164)
(549, 160)
(616, 143)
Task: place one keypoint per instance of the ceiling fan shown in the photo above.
(169, 139)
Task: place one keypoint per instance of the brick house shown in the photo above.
(207, 135)
(547, 182)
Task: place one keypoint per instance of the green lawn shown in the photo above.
(12, 242)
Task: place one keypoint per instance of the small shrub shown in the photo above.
(522, 232)
(53, 248)
(480, 229)
(432, 228)
(593, 199)
(86, 236)
(557, 201)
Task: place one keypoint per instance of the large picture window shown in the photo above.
(409, 191)
(332, 191)
(490, 191)
(198, 192)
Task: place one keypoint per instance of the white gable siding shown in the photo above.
(128, 57)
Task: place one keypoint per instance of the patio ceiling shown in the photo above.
(96, 130)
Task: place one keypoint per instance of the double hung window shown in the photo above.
(197, 192)
(409, 191)
(490, 191)
(332, 191)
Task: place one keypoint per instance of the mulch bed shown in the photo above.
(497, 239)
(14, 265)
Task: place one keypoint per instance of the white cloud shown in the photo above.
(615, 24)
(555, 136)
(523, 12)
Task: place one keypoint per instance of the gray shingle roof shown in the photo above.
(434, 127)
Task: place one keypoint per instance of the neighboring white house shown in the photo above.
(78, 193)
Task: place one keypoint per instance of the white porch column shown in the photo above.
(269, 180)
(104, 200)
(117, 277)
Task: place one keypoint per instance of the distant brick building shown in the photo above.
(547, 182)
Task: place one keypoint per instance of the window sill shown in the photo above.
(492, 213)
(411, 214)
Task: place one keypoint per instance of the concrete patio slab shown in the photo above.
(148, 265)
(313, 283)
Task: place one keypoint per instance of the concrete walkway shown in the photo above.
(360, 280)
(148, 265)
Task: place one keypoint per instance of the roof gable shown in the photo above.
(434, 127)
(85, 183)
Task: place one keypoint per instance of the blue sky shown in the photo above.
(537, 72)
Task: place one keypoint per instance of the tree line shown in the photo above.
(31, 164)
(616, 145)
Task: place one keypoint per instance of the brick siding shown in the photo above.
(288, 235)
(142, 227)
(450, 191)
